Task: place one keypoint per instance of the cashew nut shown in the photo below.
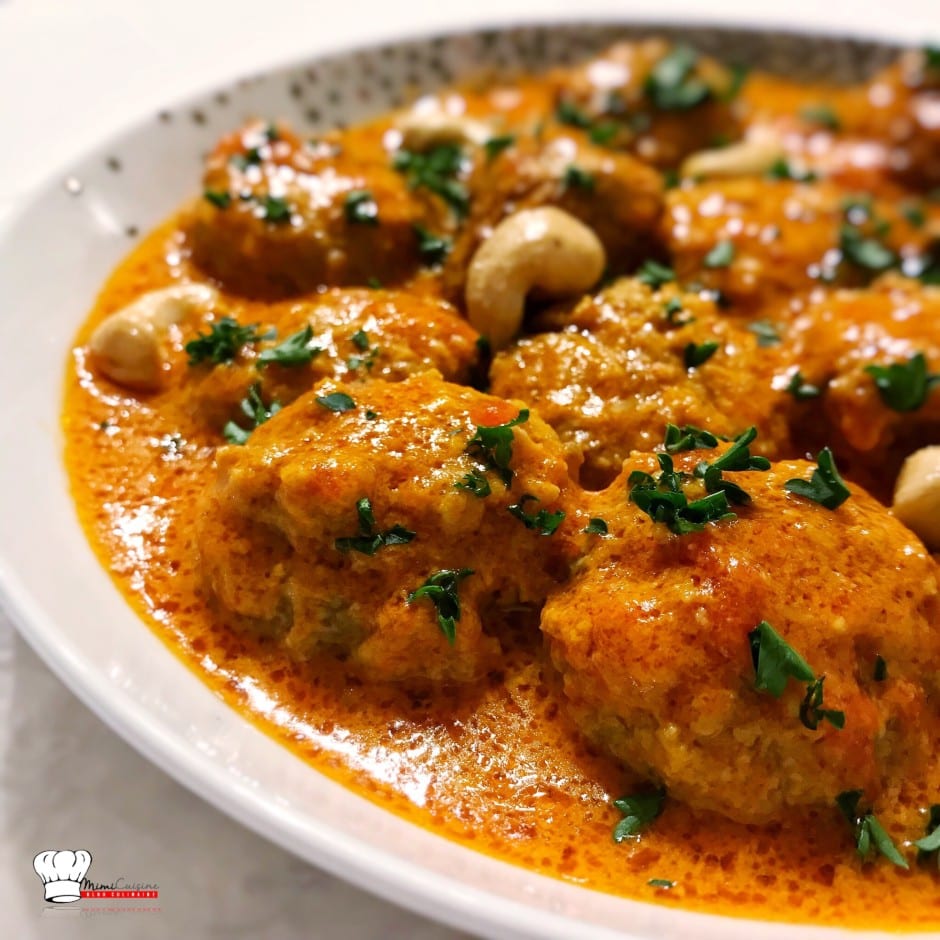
(750, 157)
(424, 130)
(129, 347)
(544, 248)
(917, 495)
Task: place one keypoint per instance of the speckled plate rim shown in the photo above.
(58, 596)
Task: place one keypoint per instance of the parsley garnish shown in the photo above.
(568, 113)
(368, 541)
(930, 844)
(496, 145)
(869, 833)
(275, 209)
(336, 401)
(672, 308)
(867, 253)
(661, 883)
(812, 712)
(880, 672)
(596, 526)
(257, 412)
(688, 437)
(914, 214)
(433, 249)
(782, 169)
(576, 178)
(545, 522)
(475, 483)
(437, 171)
(736, 458)
(241, 161)
(360, 339)
(223, 341)
(655, 274)
(441, 590)
(671, 86)
(493, 445)
(361, 208)
(696, 354)
(802, 390)
(721, 255)
(775, 661)
(664, 501)
(825, 487)
(296, 350)
(932, 57)
(602, 134)
(220, 198)
(821, 114)
(638, 812)
(765, 331)
(904, 386)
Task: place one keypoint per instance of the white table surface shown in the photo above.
(71, 71)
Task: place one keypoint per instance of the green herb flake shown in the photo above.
(638, 812)
(782, 169)
(596, 526)
(823, 115)
(436, 170)
(802, 390)
(496, 145)
(688, 437)
(825, 487)
(475, 483)
(433, 249)
(930, 844)
(223, 342)
(360, 208)
(914, 214)
(932, 57)
(672, 308)
(697, 354)
(880, 672)
(255, 410)
(374, 283)
(543, 521)
(654, 274)
(775, 661)
(672, 86)
(867, 253)
(336, 401)
(568, 113)
(297, 350)
(664, 883)
(721, 255)
(492, 445)
(766, 333)
(869, 834)
(368, 541)
(276, 210)
(577, 178)
(602, 134)
(441, 589)
(812, 712)
(220, 198)
(904, 386)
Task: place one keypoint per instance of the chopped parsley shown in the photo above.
(672, 308)
(223, 342)
(697, 354)
(825, 487)
(496, 145)
(904, 386)
(220, 198)
(336, 401)
(736, 458)
(664, 883)
(868, 253)
(255, 410)
(812, 712)
(930, 844)
(880, 672)
(869, 833)
(688, 437)
(671, 84)
(441, 590)
(596, 526)
(360, 339)
(475, 483)
(664, 501)
(360, 208)
(241, 161)
(492, 445)
(433, 249)
(577, 178)
(568, 113)
(914, 214)
(543, 521)
(654, 274)
(775, 661)
(782, 169)
(802, 390)
(602, 134)
(766, 333)
(436, 170)
(275, 209)
(368, 541)
(721, 255)
(297, 350)
(638, 812)
(823, 115)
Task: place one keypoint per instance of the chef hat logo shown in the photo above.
(62, 872)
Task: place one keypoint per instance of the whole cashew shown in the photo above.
(544, 248)
(749, 157)
(129, 347)
(917, 495)
(424, 130)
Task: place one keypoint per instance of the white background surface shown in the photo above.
(71, 72)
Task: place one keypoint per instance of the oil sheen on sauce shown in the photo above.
(496, 768)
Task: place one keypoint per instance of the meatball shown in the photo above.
(655, 638)
(351, 334)
(281, 215)
(622, 367)
(615, 195)
(759, 241)
(375, 521)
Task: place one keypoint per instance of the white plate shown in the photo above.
(53, 261)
